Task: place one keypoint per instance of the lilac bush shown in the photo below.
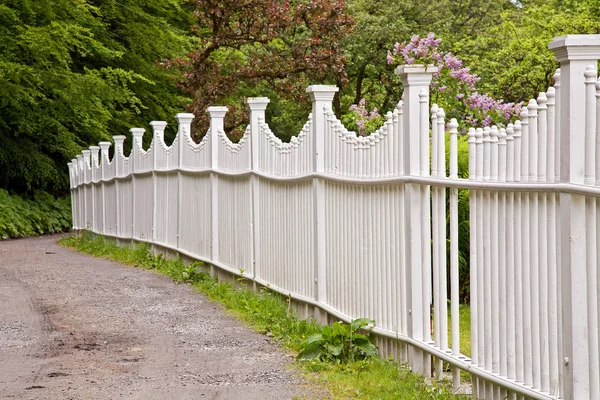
(454, 86)
(364, 120)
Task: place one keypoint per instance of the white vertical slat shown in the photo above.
(400, 141)
(502, 252)
(473, 254)
(426, 219)
(518, 258)
(442, 231)
(510, 255)
(596, 283)
(591, 220)
(543, 245)
(454, 276)
(494, 265)
(553, 357)
(436, 226)
(534, 257)
(558, 235)
(525, 248)
(487, 260)
(480, 257)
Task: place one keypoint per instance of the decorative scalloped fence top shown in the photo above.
(229, 145)
(350, 137)
(286, 147)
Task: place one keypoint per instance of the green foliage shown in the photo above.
(380, 24)
(35, 215)
(339, 343)
(74, 72)
(511, 55)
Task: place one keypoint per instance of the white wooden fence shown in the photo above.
(356, 226)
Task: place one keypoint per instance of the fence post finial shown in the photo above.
(184, 121)
(104, 146)
(158, 131)
(138, 134)
(258, 106)
(322, 99)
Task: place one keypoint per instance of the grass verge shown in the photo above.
(269, 313)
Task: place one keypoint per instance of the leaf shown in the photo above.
(310, 351)
(335, 350)
(361, 323)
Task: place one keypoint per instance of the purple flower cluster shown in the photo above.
(454, 83)
(362, 116)
(423, 49)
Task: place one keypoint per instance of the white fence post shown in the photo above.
(184, 132)
(104, 158)
(158, 134)
(416, 80)
(217, 115)
(138, 134)
(118, 160)
(322, 98)
(575, 53)
(92, 163)
(257, 106)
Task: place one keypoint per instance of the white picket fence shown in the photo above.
(356, 226)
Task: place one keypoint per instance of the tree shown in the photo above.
(269, 46)
(512, 56)
(379, 25)
(73, 72)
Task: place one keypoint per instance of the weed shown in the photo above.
(341, 343)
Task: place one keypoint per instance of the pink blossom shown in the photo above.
(453, 81)
(390, 59)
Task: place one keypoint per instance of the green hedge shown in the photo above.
(22, 216)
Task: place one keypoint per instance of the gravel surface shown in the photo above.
(78, 327)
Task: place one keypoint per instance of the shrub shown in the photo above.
(22, 216)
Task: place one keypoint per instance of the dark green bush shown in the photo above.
(22, 216)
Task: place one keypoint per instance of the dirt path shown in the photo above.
(77, 327)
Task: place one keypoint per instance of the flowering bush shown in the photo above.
(366, 122)
(453, 86)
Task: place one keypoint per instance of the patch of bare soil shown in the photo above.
(77, 327)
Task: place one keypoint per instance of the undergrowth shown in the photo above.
(22, 216)
(365, 376)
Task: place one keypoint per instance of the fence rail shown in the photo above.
(357, 226)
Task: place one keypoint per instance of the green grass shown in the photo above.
(464, 320)
(269, 313)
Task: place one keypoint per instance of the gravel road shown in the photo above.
(78, 327)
